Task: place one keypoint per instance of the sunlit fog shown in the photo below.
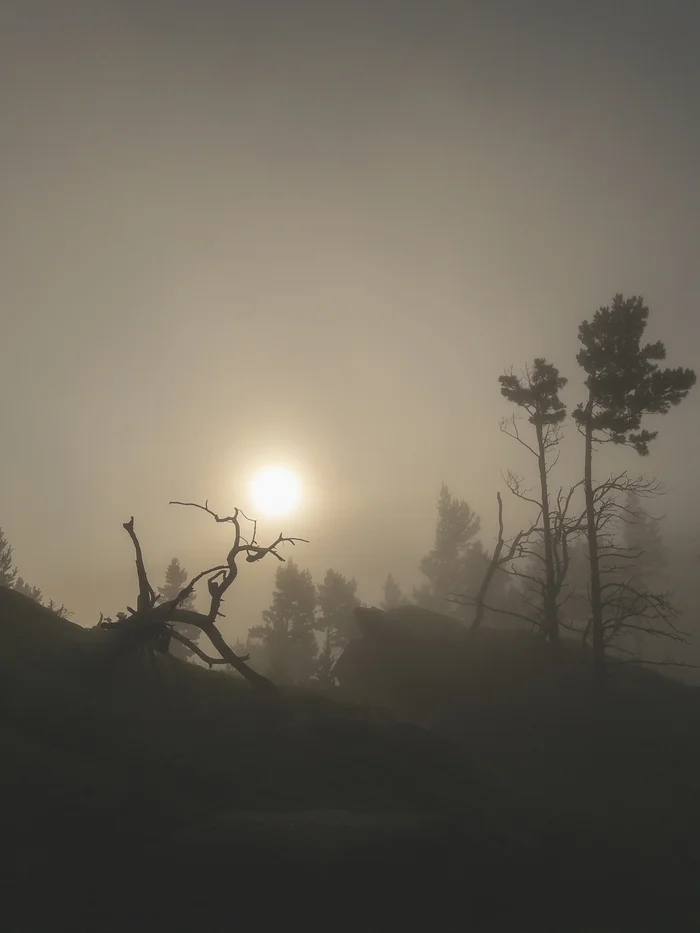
(348, 353)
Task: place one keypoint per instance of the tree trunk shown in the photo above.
(551, 622)
(596, 597)
(259, 683)
(494, 564)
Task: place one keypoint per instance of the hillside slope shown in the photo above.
(149, 772)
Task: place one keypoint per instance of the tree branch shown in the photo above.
(147, 597)
(504, 612)
(178, 636)
(254, 553)
(152, 624)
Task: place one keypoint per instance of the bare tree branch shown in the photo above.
(514, 484)
(191, 617)
(470, 601)
(178, 636)
(152, 624)
(509, 426)
(497, 561)
(147, 597)
(253, 551)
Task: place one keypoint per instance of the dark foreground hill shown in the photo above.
(530, 721)
(141, 795)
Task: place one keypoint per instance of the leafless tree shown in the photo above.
(150, 625)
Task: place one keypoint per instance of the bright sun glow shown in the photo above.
(275, 491)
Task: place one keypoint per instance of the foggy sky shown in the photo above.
(316, 233)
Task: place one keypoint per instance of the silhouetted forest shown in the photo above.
(512, 738)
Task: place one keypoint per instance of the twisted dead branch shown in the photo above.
(151, 623)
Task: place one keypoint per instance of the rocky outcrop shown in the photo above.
(410, 622)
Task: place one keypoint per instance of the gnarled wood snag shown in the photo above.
(151, 623)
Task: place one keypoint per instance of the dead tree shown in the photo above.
(150, 625)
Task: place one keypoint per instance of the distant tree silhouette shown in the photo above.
(393, 596)
(454, 563)
(337, 599)
(33, 592)
(175, 580)
(251, 651)
(9, 577)
(288, 629)
(635, 599)
(643, 539)
(8, 572)
(324, 666)
(60, 611)
(624, 383)
(537, 393)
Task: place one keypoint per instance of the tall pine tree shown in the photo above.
(623, 384)
(175, 581)
(288, 630)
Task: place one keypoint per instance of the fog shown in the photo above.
(315, 234)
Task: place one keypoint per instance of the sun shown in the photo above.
(275, 490)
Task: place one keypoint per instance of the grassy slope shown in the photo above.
(187, 770)
(527, 721)
(173, 755)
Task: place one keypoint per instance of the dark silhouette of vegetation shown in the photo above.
(393, 595)
(150, 627)
(8, 572)
(9, 577)
(176, 580)
(642, 538)
(503, 555)
(537, 392)
(631, 603)
(455, 561)
(336, 600)
(31, 592)
(624, 384)
(288, 630)
(335, 622)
